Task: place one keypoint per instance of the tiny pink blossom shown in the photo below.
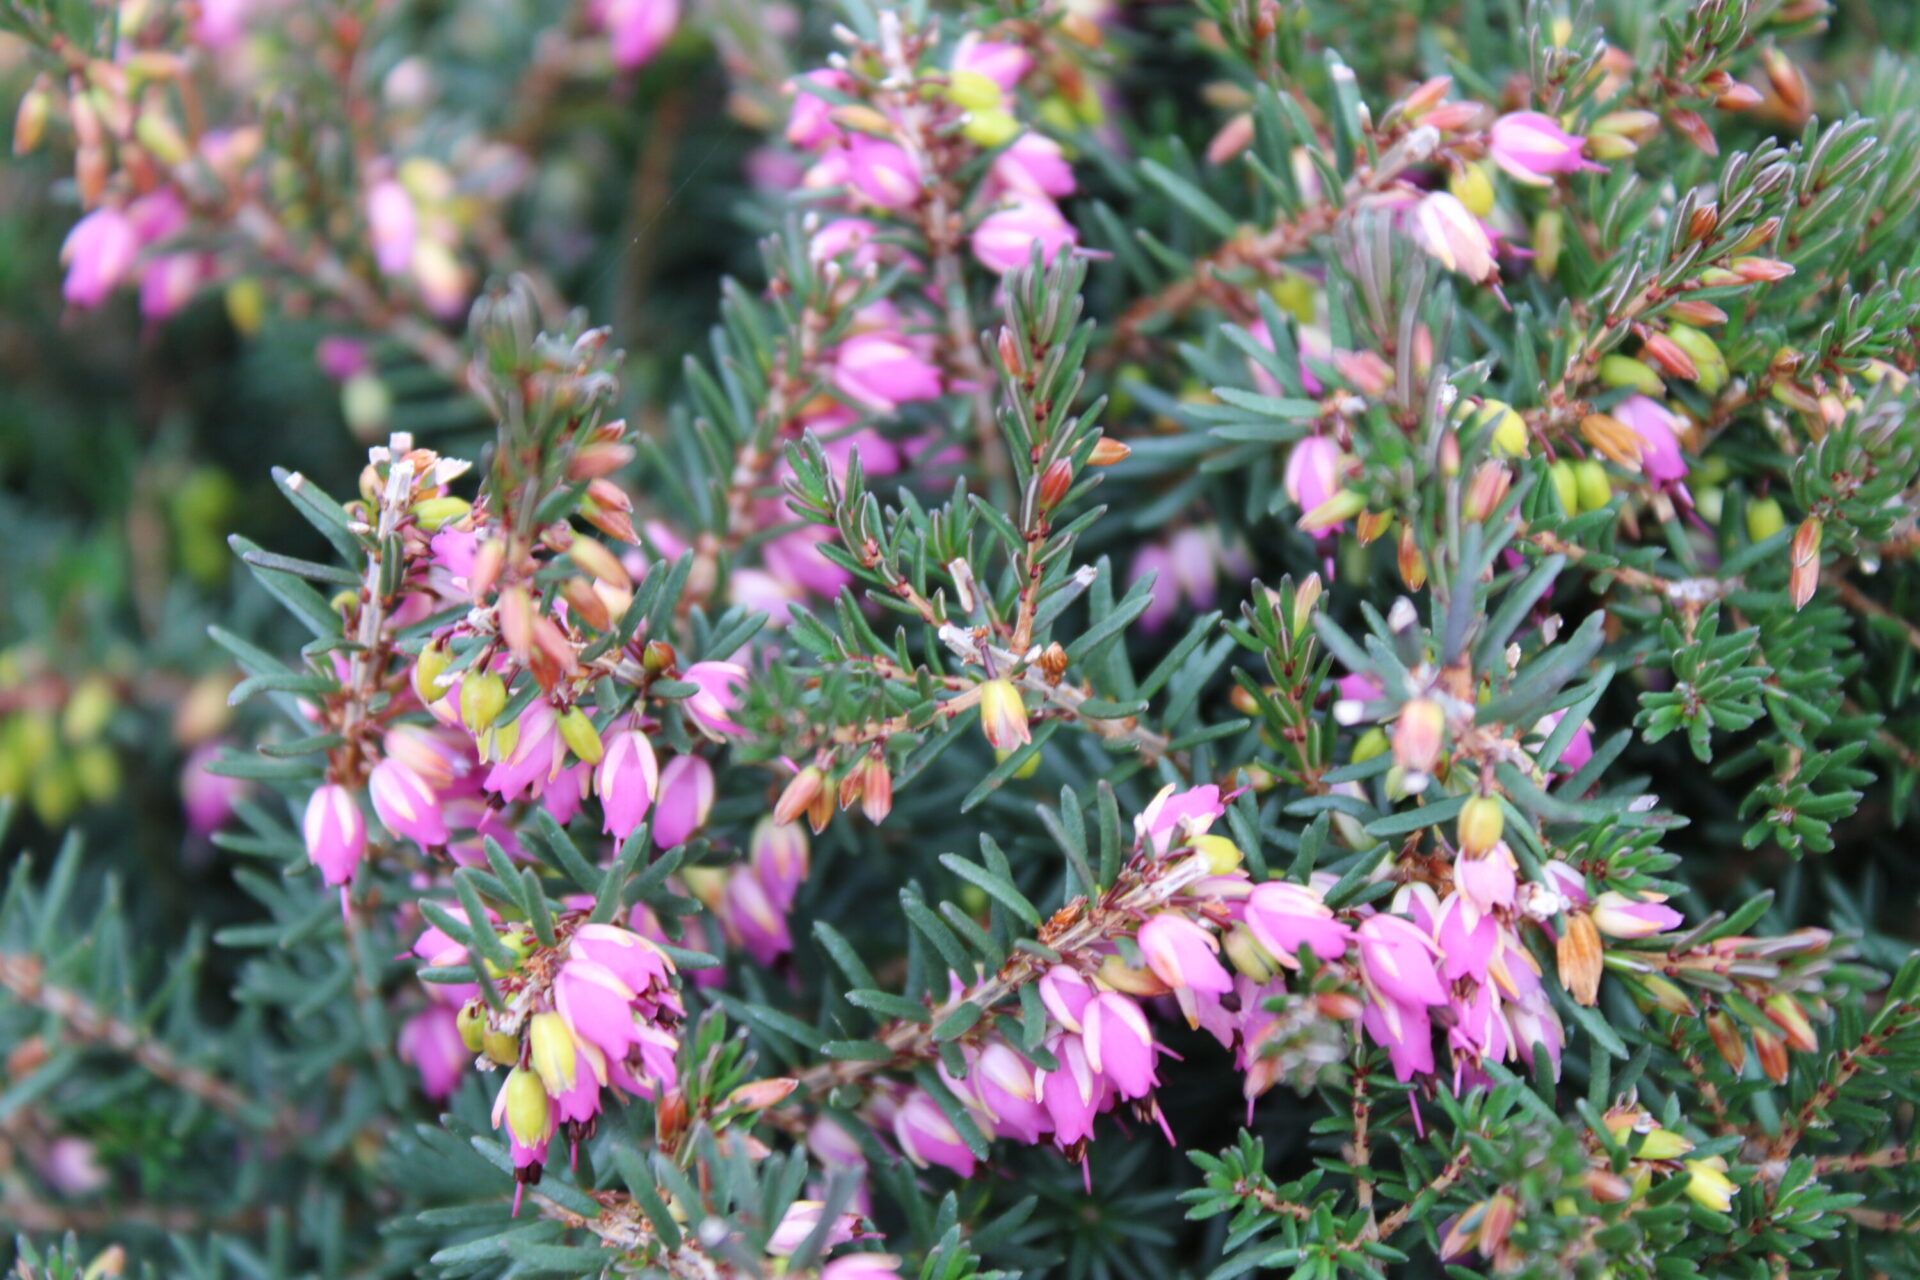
(1312, 473)
(1119, 1043)
(1397, 959)
(430, 1040)
(99, 252)
(1182, 954)
(1033, 165)
(927, 1137)
(406, 804)
(1004, 241)
(1619, 916)
(881, 371)
(626, 779)
(1284, 917)
(712, 707)
(336, 833)
(811, 124)
(686, 797)
(1000, 61)
(638, 28)
(391, 225)
(1657, 426)
(883, 172)
(1530, 147)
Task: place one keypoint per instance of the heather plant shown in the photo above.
(1049, 637)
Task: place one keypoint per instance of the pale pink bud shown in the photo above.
(686, 798)
(1182, 954)
(1119, 1043)
(391, 225)
(1452, 236)
(779, 856)
(881, 371)
(1284, 917)
(1313, 472)
(627, 779)
(1004, 63)
(638, 28)
(406, 804)
(1034, 165)
(1397, 958)
(1004, 240)
(1657, 427)
(1619, 916)
(99, 253)
(168, 283)
(336, 833)
(430, 1040)
(711, 708)
(883, 172)
(1530, 147)
(927, 1137)
(811, 124)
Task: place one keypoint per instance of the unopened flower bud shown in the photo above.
(1708, 1185)
(1765, 518)
(1761, 270)
(485, 570)
(1419, 735)
(1785, 1013)
(577, 731)
(1107, 451)
(1003, 715)
(551, 1052)
(1726, 1037)
(483, 696)
(1624, 371)
(1370, 744)
(876, 789)
(1480, 824)
(1695, 312)
(1803, 578)
(1487, 490)
(1549, 239)
(1595, 486)
(523, 1101)
(1341, 507)
(1670, 356)
(1054, 483)
(798, 796)
(758, 1095)
(471, 1022)
(435, 514)
(30, 122)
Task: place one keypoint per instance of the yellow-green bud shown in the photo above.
(501, 1047)
(1509, 428)
(1705, 353)
(435, 514)
(551, 1051)
(1624, 371)
(472, 1024)
(427, 670)
(366, 404)
(577, 731)
(482, 698)
(1709, 1187)
(1765, 518)
(971, 91)
(88, 709)
(1596, 487)
(529, 1113)
(1481, 822)
(1549, 237)
(1566, 486)
(1026, 770)
(1472, 188)
(1371, 743)
(990, 128)
(1246, 954)
(1664, 1144)
(1222, 854)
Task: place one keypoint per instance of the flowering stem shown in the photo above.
(940, 226)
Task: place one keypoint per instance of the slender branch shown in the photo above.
(24, 976)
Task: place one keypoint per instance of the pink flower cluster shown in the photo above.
(878, 174)
(115, 245)
(599, 1011)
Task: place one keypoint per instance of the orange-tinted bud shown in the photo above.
(1054, 483)
(1727, 1039)
(1108, 451)
(1804, 576)
(1580, 959)
(799, 794)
